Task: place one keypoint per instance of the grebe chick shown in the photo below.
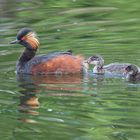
(100, 68)
(52, 63)
(132, 73)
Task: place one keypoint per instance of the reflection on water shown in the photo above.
(61, 85)
(70, 107)
(28, 99)
(31, 85)
(59, 99)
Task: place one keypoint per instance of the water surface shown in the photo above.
(72, 107)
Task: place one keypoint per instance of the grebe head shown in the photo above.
(131, 70)
(96, 60)
(27, 38)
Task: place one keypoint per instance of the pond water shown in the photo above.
(70, 107)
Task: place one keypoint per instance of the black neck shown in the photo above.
(26, 56)
(28, 53)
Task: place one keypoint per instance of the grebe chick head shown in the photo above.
(28, 38)
(131, 70)
(96, 60)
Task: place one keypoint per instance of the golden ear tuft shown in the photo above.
(32, 39)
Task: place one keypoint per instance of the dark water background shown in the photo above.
(70, 107)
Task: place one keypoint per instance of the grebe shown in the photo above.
(132, 73)
(53, 63)
(100, 68)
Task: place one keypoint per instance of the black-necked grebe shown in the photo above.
(100, 68)
(53, 63)
(132, 73)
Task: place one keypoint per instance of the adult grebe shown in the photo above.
(53, 63)
(132, 73)
(100, 68)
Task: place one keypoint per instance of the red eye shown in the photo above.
(23, 38)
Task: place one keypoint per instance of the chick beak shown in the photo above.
(14, 42)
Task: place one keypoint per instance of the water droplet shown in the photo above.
(50, 110)
(75, 23)
(58, 30)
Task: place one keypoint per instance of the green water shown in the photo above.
(72, 107)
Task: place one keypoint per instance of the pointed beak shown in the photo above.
(14, 42)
